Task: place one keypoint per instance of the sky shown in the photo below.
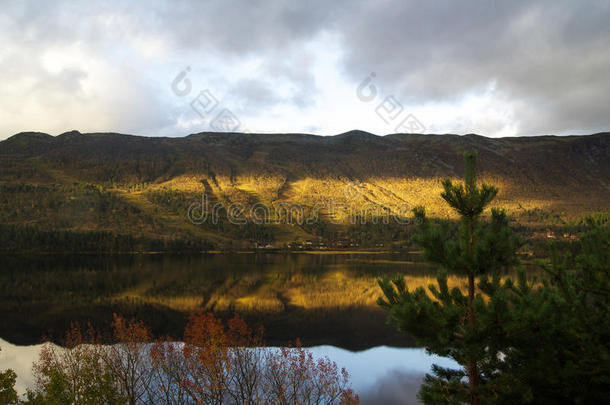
(172, 68)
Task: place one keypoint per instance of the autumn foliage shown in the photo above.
(215, 364)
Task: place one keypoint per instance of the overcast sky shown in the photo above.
(494, 68)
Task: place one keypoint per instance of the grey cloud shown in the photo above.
(230, 31)
(548, 59)
(244, 27)
(66, 80)
(256, 93)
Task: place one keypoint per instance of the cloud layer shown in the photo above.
(494, 68)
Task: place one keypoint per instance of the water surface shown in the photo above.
(322, 298)
(379, 375)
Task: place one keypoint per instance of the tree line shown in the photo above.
(27, 238)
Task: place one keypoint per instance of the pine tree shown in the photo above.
(565, 356)
(448, 322)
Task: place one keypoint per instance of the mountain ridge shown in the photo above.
(149, 182)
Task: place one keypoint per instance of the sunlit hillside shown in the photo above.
(284, 187)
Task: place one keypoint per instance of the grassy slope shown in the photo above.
(144, 186)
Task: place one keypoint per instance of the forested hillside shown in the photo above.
(287, 187)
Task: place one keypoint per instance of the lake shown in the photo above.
(381, 374)
(328, 300)
(321, 298)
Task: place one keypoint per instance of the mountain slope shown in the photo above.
(116, 182)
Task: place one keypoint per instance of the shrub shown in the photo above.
(214, 365)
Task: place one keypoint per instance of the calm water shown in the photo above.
(327, 300)
(380, 375)
(320, 298)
